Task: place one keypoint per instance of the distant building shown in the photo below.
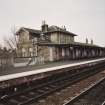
(51, 43)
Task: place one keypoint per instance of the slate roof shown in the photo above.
(33, 31)
(51, 29)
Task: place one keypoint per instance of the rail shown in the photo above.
(86, 91)
(35, 94)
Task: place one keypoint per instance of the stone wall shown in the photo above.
(25, 45)
(43, 53)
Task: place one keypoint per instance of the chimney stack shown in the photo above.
(91, 41)
(86, 41)
(44, 26)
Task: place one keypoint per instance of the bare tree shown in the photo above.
(11, 41)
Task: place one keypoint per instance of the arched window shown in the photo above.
(30, 51)
(23, 52)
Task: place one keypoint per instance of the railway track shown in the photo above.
(94, 95)
(35, 93)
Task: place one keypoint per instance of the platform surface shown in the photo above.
(15, 70)
(19, 72)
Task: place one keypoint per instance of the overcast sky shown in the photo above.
(86, 18)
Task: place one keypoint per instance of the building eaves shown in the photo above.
(74, 44)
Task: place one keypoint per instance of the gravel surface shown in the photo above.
(61, 97)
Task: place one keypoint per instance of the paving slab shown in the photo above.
(14, 70)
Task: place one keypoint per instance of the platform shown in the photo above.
(14, 70)
(23, 75)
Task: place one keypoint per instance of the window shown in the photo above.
(30, 51)
(23, 52)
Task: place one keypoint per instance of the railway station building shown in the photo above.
(52, 43)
